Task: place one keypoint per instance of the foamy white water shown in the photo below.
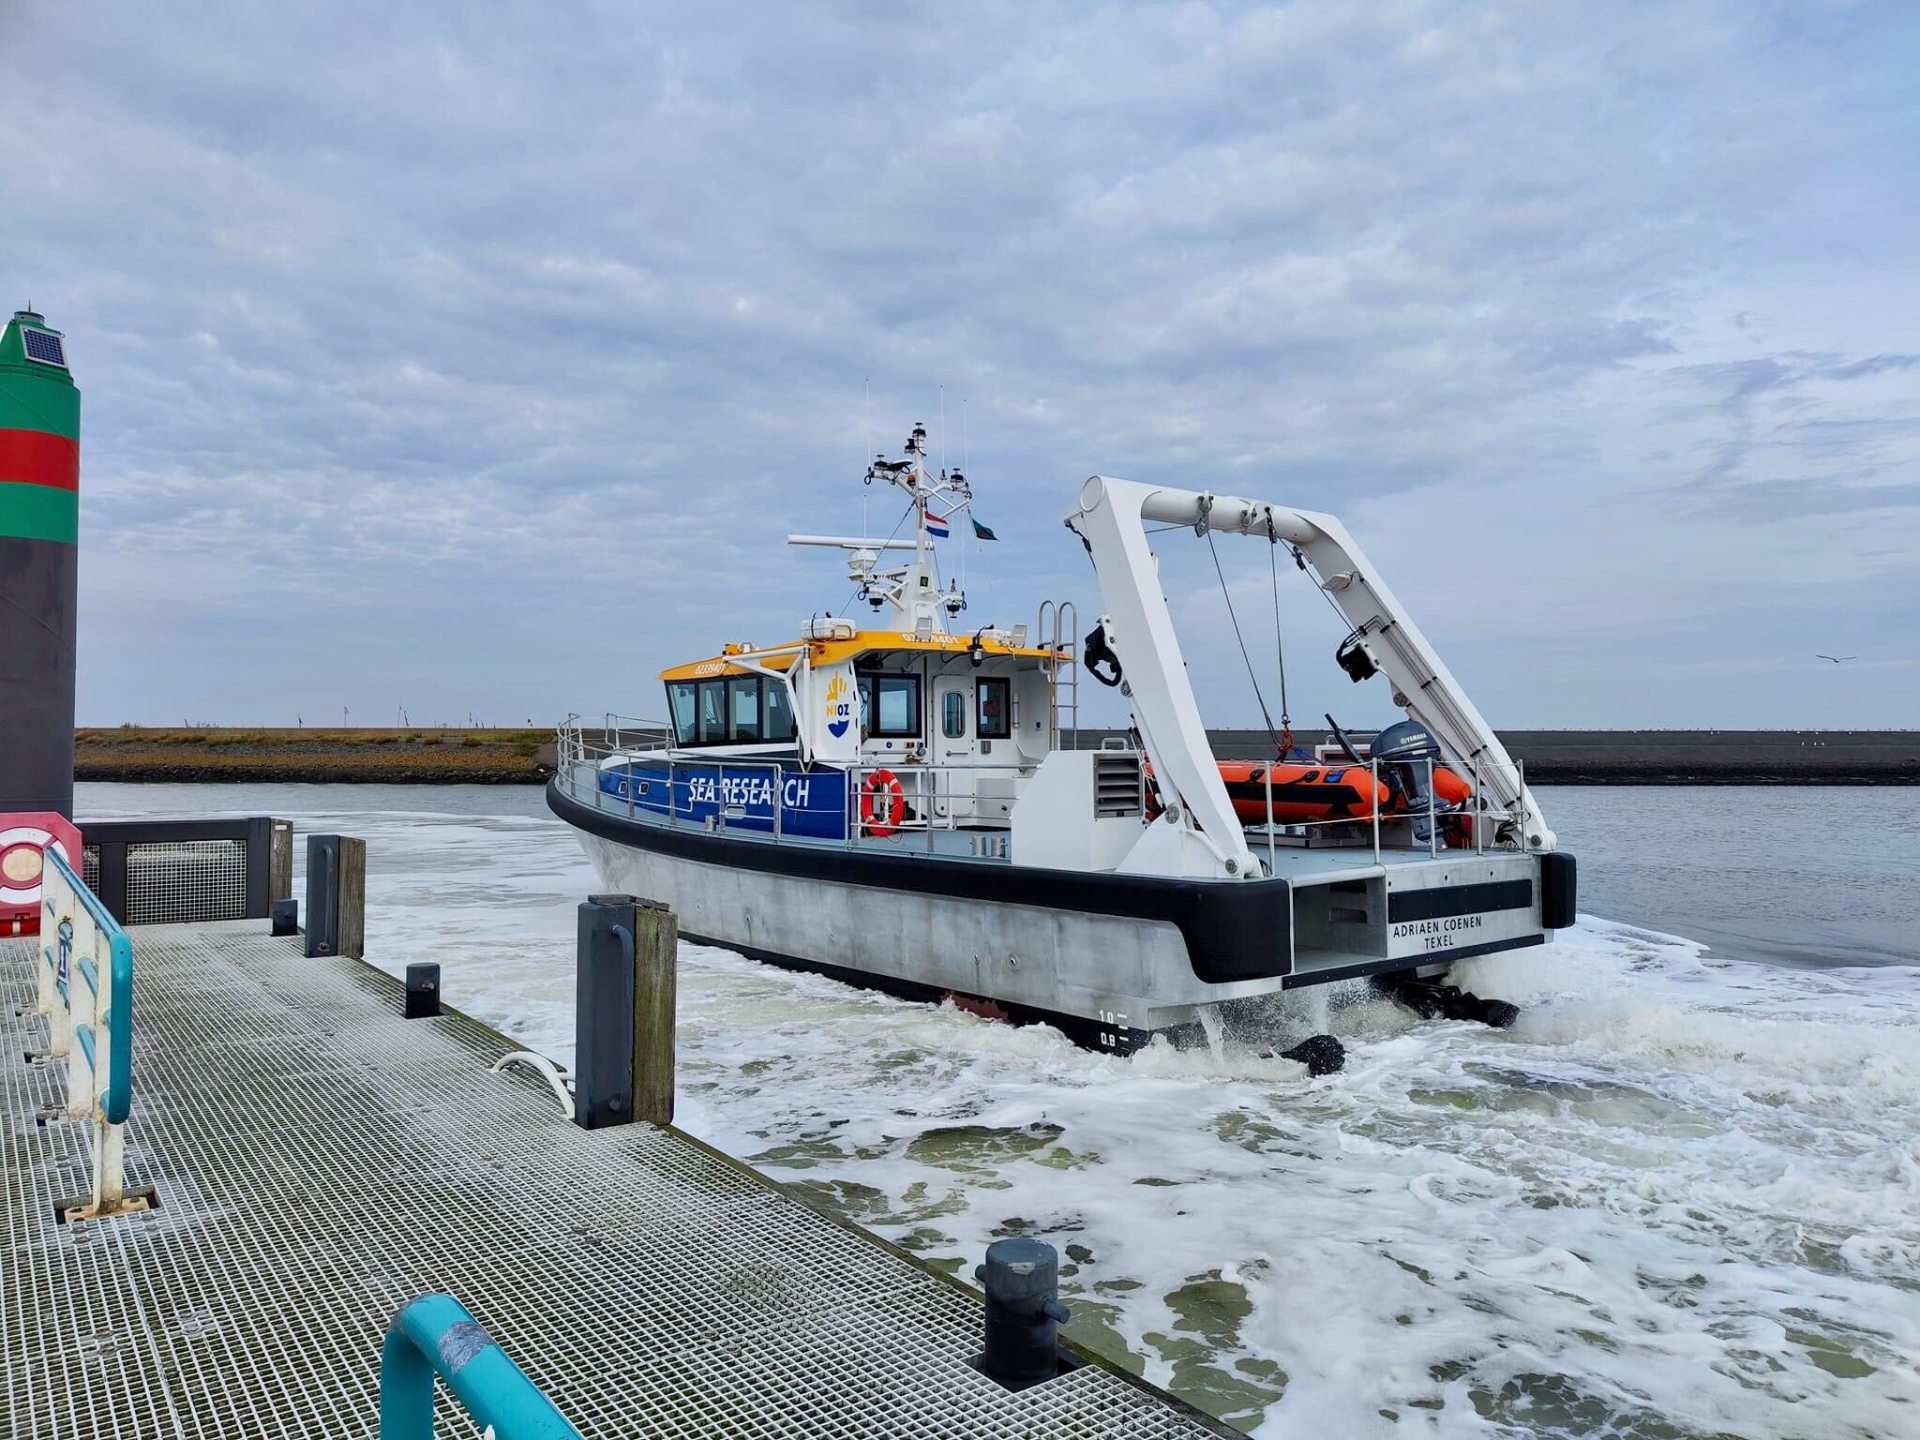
(1680, 1198)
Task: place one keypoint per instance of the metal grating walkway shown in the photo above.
(319, 1161)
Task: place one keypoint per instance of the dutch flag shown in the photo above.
(936, 527)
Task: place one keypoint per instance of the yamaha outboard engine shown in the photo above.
(1411, 749)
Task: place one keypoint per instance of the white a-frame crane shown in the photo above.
(1110, 518)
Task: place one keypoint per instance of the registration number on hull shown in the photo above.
(1456, 932)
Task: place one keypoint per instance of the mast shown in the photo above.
(917, 488)
(914, 590)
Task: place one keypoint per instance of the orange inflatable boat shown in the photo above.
(1325, 792)
(1308, 792)
(1302, 792)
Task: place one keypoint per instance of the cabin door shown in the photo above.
(953, 746)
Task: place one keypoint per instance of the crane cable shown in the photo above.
(1279, 637)
(1227, 595)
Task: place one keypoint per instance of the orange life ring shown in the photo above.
(878, 783)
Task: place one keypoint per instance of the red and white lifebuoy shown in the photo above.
(883, 801)
(24, 841)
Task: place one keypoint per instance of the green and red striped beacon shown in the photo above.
(39, 565)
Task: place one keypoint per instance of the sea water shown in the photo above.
(1680, 1198)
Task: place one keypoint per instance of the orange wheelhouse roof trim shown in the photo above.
(831, 652)
(774, 657)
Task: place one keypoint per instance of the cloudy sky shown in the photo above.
(478, 358)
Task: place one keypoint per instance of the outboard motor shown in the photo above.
(1411, 749)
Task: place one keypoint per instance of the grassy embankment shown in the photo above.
(419, 755)
(422, 755)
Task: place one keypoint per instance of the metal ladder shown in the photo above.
(1063, 670)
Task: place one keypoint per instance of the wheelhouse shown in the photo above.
(956, 722)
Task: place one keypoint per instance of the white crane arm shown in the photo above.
(1110, 518)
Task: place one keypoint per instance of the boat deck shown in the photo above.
(1325, 864)
(989, 844)
(318, 1161)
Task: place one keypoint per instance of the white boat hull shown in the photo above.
(1120, 977)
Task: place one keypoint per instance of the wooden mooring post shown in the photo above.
(336, 896)
(279, 860)
(624, 1012)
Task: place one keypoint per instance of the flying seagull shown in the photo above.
(1836, 659)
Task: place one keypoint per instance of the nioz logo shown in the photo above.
(839, 706)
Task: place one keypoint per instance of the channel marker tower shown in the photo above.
(39, 565)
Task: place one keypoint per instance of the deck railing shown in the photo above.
(1422, 830)
(940, 800)
(437, 1335)
(86, 991)
(934, 794)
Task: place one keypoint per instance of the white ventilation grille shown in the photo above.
(1116, 783)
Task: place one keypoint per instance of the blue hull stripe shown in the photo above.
(812, 802)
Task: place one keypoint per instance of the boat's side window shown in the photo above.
(953, 715)
(892, 706)
(995, 702)
(743, 708)
(680, 701)
(779, 707)
(713, 712)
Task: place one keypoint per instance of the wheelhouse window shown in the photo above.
(739, 710)
(993, 703)
(743, 708)
(953, 715)
(681, 707)
(779, 711)
(890, 706)
(713, 712)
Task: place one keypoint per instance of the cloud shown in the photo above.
(481, 359)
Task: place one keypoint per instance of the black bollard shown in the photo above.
(286, 917)
(423, 990)
(1024, 1313)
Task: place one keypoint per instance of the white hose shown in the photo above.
(545, 1067)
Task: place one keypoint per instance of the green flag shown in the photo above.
(981, 532)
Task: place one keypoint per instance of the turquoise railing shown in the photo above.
(84, 940)
(436, 1335)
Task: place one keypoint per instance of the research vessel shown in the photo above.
(899, 801)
